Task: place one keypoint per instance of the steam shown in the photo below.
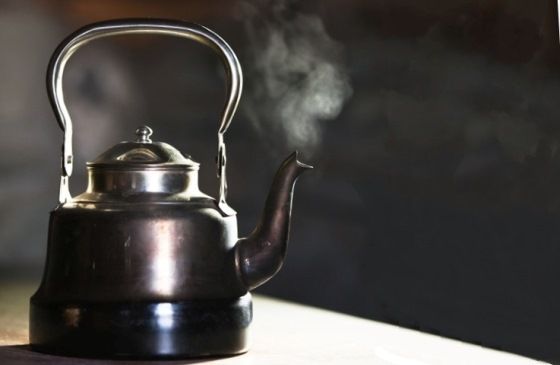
(296, 79)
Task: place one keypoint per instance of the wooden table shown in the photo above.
(283, 333)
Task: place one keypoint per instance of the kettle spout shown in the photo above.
(260, 256)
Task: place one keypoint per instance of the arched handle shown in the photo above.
(134, 26)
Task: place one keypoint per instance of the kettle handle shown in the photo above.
(182, 29)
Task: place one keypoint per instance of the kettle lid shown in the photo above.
(143, 153)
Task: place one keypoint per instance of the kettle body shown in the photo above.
(143, 264)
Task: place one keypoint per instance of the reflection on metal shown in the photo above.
(162, 268)
(164, 311)
(143, 134)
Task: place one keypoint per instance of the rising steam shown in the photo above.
(296, 78)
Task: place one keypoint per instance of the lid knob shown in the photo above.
(143, 134)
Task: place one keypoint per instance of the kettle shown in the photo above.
(143, 264)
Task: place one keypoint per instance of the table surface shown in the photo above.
(282, 333)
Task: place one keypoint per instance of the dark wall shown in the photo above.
(433, 127)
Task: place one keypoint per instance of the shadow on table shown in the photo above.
(22, 354)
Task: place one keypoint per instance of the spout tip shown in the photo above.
(300, 164)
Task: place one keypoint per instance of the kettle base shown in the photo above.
(196, 328)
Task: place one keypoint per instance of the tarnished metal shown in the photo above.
(144, 264)
(260, 256)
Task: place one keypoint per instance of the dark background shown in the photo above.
(433, 126)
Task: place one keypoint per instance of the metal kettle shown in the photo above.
(143, 263)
